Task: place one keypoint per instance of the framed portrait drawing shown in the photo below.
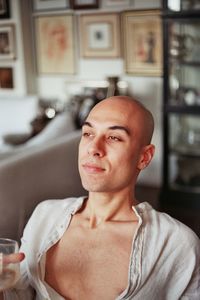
(7, 42)
(100, 35)
(4, 9)
(50, 4)
(84, 4)
(6, 78)
(55, 44)
(143, 42)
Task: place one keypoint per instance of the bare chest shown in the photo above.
(89, 264)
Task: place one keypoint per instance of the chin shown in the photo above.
(94, 187)
(91, 188)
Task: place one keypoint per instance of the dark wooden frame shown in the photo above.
(5, 12)
(6, 78)
(75, 5)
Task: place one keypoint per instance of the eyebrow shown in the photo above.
(114, 127)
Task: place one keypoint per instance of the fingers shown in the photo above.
(13, 258)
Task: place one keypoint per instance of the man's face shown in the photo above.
(110, 147)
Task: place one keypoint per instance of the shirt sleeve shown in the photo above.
(192, 261)
(192, 291)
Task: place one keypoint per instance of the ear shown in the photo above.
(146, 156)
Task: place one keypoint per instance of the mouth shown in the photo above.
(92, 168)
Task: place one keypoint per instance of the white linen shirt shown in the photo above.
(164, 261)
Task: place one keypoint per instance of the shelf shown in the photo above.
(183, 14)
(184, 109)
(180, 89)
(185, 188)
(185, 152)
(184, 62)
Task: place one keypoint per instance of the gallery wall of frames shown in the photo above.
(103, 33)
(65, 31)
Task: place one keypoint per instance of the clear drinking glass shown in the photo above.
(9, 272)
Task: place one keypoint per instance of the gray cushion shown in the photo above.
(37, 174)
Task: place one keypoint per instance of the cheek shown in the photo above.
(81, 149)
(129, 161)
(120, 159)
(80, 153)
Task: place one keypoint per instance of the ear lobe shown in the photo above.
(146, 156)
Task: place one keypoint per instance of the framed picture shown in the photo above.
(143, 42)
(50, 4)
(6, 78)
(84, 4)
(4, 9)
(55, 44)
(100, 35)
(7, 43)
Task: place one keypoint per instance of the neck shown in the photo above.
(104, 207)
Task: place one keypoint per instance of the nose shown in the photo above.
(96, 147)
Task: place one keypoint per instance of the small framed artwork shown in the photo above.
(6, 78)
(143, 42)
(7, 43)
(100, 35)
(84, 4)
(55, 44)
(4, 9)
(50, 4)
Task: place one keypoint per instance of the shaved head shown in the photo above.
(134, 111)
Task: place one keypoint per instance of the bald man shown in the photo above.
(107, 245)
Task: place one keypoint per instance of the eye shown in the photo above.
(86, 134)
(114, 138)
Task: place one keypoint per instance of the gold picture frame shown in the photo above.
(143, 42)
(55, 44)
(100, 36)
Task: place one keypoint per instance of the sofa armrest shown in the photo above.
(45, 172)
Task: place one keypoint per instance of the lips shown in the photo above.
(92, 168)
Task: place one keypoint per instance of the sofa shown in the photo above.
(19, 133)
(45, 168)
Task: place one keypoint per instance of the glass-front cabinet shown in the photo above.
(181, 105)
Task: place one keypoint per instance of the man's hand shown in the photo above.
(13, 258)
